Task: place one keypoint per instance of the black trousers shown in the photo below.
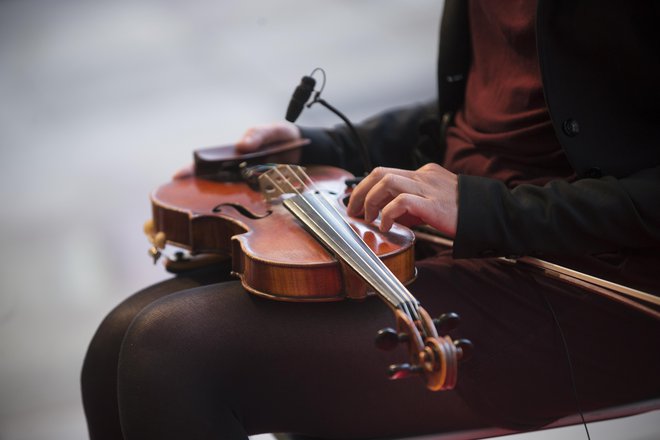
(193, 358)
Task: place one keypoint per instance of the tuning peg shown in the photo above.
(402, 371)
(465, 348)
(446, 322)
(387, 339)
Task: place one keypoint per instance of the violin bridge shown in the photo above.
(283, 179)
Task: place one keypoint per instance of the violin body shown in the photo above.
(289, 238)
(271, 251)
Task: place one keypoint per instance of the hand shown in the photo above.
(255, 137)
(428, 195)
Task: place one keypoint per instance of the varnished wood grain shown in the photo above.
(274, 256)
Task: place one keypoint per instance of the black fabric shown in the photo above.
(454, 56)
(391, 137)
(589, 216)
(216, 362)
(599, 66)
(99, 371)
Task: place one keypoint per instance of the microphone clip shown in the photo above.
(317, 93)
(316, 98)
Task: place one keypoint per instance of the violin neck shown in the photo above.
(331, 229)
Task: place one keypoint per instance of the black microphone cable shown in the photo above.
(569, 364)
(301, 95)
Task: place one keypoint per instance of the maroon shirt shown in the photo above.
(504, 130)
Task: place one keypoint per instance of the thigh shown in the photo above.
(99, 370)
(218, 356)
(312, 368)
(543, 347)
(111, 330)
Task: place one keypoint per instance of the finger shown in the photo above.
(410, 205)
(356, 202)
(280, 131)
(251, 140)
(258, 136)
(385, 191)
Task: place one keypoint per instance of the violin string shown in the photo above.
(402, 293)
(397, 300)
(410, 298)
(408, 301)
(332, 211)
(410, 307)
(293, 189)
(273, 182)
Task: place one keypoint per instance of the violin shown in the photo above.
(286, 232)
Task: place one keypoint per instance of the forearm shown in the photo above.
(390, 138)
(585, 217)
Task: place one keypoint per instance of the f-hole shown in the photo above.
(242, 210)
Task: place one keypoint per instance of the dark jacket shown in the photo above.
(600, 67)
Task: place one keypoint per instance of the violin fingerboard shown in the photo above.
(329, 227)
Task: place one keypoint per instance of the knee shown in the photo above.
(169, 358)
(148, 338)
(174, 371)
(162, 339)
(189, 339)
(103, 350)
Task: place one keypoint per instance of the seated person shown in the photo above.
(544, 141)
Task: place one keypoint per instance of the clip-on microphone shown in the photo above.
(300, 97)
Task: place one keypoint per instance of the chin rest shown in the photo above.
(574, 419)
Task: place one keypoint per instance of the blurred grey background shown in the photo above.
(100, 102)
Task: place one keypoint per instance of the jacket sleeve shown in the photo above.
(396, 138)
(587, 216)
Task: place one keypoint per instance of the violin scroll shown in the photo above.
(432, 357)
